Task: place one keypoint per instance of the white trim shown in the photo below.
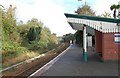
(105, 27)
(84, 39)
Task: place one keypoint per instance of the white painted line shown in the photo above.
(49, 64)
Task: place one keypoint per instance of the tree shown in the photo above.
(20, 39)
(106, 15)
(79, 37)
(9, 24)
(47, 39)
(33, 33)
(114, 7)
(9, 20)
(34, 22)
(85, 10)
(68, 37)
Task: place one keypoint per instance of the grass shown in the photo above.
(10, 61)
(22, 54)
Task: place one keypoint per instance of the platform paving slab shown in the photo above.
(72, 64)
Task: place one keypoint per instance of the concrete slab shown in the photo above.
(72, 64)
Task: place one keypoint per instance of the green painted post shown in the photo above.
(84, 45)
(85, 57)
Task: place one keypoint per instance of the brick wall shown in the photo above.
(110, 49)
(98, 41)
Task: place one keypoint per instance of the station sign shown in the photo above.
(117, 38)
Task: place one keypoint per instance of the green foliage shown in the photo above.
(0, 26)
(9, 21)
(106, 15)
(47, 39)
(22, 38)
(114, 7)
(85, 10)
(0, 39)
(32, 34)
(79, 37)
(34, 22)
(68, 37)
(10, 35)
(13, 51)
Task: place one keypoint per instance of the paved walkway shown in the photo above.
(71, 64)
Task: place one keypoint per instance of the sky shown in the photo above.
(51, 12)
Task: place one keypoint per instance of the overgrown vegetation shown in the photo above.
(0, 38)
(23, 41)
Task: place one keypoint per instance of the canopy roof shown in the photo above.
(105, 25)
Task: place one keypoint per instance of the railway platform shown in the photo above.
(71, 63)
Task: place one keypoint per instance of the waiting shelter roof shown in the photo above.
(105, 25)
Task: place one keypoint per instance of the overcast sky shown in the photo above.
(51, 12)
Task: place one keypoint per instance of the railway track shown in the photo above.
(32, 69)
(26, 70)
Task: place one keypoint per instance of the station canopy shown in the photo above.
(104, 25)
